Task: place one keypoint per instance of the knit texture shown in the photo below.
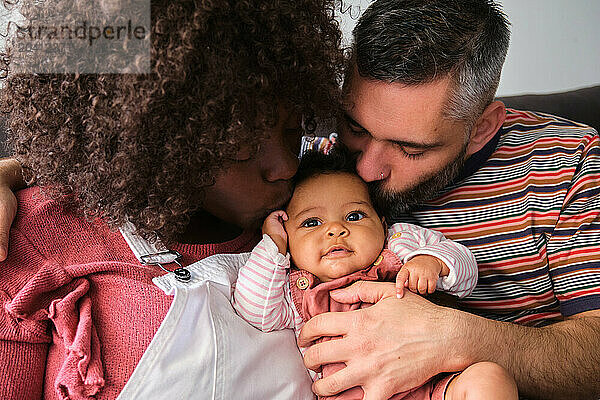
(78, 310)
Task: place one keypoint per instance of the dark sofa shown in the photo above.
(582, 105)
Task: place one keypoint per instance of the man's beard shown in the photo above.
(394, 204)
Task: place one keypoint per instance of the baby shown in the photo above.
(336, 237)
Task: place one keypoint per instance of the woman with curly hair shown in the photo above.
(192, 155)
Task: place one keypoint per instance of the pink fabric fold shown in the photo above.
(54, 294)
(81, 375)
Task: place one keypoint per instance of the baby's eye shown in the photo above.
(311, 223)
(355, 216)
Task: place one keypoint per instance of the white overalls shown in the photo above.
(204, 350)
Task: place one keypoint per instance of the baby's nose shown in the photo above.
(336, 230)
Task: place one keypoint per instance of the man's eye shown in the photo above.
(311, 223)
(408, 152)
(355, 216)
(411, 154)
(352, 128)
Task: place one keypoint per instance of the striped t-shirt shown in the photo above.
(528, 206)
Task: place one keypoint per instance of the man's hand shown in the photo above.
(390, 347)
(273, 226)
(420, 274)
(397, 344)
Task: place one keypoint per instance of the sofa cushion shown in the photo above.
(582, 105)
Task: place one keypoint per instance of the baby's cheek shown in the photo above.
(373, 255)
(300, 255)
(377, 247)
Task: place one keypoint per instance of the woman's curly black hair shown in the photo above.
(144, 146)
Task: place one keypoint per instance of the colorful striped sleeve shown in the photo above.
(529, 210)
(573, 248)
(259, 294)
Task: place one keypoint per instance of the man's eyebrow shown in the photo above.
(401, 143)
(415, 145)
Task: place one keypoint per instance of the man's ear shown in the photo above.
(384, 223)
(486, 126)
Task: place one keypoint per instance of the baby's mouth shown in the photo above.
(337, 251)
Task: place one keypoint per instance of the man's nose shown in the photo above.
(370, 163)
(335, 229)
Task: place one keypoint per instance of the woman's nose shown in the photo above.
(279, 163)
(282, 168)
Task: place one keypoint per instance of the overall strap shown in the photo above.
(154, 253)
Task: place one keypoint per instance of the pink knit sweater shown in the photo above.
(78, 310)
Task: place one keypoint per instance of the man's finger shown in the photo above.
(369, 292)
(326, 324)
(377, 393)
(343, 379)
(327, 352)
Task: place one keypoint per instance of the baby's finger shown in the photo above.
(431, 285)
(422, 285)
(273, 216)
(401, 282)
(413, 283)
(399, 291)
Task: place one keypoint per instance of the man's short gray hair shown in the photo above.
(419, 41)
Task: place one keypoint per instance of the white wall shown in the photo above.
(348, 13)
(555, 44)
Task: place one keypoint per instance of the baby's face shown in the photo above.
(333, 229)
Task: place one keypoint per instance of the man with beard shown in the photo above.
(520, 189)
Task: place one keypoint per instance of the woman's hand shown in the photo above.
(8, 210)
(10, 179)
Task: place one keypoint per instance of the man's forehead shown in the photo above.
(387, 109)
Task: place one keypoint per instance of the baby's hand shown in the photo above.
(420, 274)
(273, 226)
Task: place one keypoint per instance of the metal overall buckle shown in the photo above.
(168, 257)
